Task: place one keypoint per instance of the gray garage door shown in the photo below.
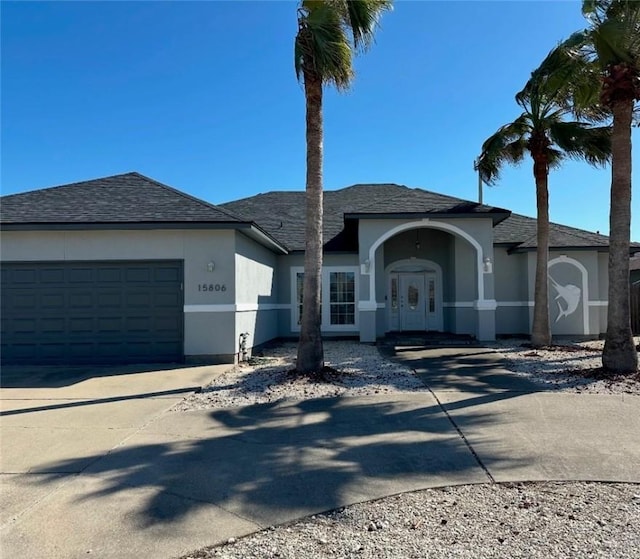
(92, 312)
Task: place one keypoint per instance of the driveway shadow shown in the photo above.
(275, 462)
(469, 370)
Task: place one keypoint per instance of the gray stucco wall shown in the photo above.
(511, 280)
(205, 332)
(256, 295)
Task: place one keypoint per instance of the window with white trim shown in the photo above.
(339, 297)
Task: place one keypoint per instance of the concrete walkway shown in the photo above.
(178, 481)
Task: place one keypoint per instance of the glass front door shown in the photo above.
(412, 302)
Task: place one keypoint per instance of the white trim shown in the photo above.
(210, 308)
(366, 306)
(326, 326)
(458, 304)
(422, 224)
(485, 305)
(239, 307)
(598, 303)
(563, 259)
(515, 303)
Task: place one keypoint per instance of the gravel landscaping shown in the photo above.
(571, 367)
(568, 366)
(542, 520)
(524, 520)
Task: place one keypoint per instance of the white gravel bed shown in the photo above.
(570, 368)
(268, 378)
(525, 520)
(567, 367)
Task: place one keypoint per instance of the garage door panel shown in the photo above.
(92, 312)
(109, 299)
(19, 300)
(81, 275)
(20, 327)
(52, 350)
(50, 302)
(165, 324)
(109, 275)
(109, 324)
(20, 350)
(167, 300)
(138, 299)
(51, 276)
(81, 325)
(170, 275)
(25, 276)
(138, 275)
(53, 326)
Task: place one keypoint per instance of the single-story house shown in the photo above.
(125, 268)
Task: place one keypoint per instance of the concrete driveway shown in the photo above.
(123, 477)
(56, 421)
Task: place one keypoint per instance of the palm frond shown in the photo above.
(362, 19)
(507, 145)
(329, 32)
(581, 141)
(322, 46)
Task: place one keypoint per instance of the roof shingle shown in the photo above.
(126, 198)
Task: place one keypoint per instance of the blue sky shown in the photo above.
(203, 96)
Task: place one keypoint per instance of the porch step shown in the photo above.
(427, 339)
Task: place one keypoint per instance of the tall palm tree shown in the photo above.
(542, 131)
(329, 33)
(600, 67)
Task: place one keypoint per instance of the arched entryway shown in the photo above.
(468, 305)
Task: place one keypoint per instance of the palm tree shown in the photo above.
(601, 69)
(329, 32)
(542, 131)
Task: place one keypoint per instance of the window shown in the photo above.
(299, 291)
(394, 293)
(342, 291)
(339, 298)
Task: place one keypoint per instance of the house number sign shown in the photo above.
(212, 287)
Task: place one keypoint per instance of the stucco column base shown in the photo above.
(367, 325)
(486, 309)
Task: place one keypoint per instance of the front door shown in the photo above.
(412, 302)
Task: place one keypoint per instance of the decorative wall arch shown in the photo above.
(425, 224)
(585, 286)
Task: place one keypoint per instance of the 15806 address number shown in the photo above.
(212, 287)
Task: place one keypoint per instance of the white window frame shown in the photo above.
(326, 325)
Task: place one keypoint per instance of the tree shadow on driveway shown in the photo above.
(275, 462)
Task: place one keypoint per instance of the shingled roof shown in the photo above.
(126, 198)
(518, 232)
(282, 213)
(279, 216)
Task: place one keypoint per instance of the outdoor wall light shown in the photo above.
(211, 266)
(487, 265)
(365, 266)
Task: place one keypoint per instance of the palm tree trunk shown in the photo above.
(541, 331)
(310, 351)
(620, 355)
